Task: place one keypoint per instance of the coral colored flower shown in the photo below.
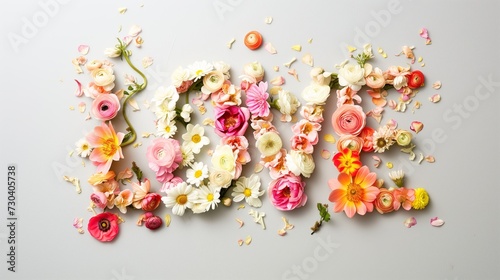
(104, 226)
(347, 161)
(105, 107)
(287, 192)
(350, 142)
(106, 146)
(347, 95)
(239, 144)
(150, 202)
(301, 143)
(164, 156)
(348, 119)
(276, 164)
(384, 203)
(231, 120)
(308, 129)
(367, 136)
(403, 197)
(124, 199)
(354, 194)
(257, 99)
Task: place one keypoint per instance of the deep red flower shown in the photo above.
(104, 226)
(416, 79)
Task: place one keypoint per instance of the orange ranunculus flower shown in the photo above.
(384, 203)
(354, 194)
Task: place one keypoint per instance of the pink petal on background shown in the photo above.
(416, 126)
(134, 30)
(325, 154)
(424, 33)
(83, 49)
(377, 161)
(270, 48)
(410, 222)
(436, 222)
(82, 106)
(79, 91)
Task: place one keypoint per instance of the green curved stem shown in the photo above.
(131, 135)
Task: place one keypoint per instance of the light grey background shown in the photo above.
(461, 131)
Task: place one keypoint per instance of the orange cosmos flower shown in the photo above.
(354, 193)
(347, 161)
(106, 146)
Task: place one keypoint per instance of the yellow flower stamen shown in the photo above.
(181, 199)
(210, 197)
(354, 192)
(247, 192)
(196, 138)
(198, 173)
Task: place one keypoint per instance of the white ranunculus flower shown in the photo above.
(319, 76)
(288, 104)
(104, 77)
(220, 178)
(300, 163)
(179, 76)
(213, 81)
(223, 67)
(316, 94)
(224, 158)
(254, 69)
(352, 75)
(166, 94)
(269, 143)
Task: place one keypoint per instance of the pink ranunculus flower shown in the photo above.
(105, 106)
(170, 184)
(287, 192)
(164, 156)
(99, 199)
(231, 120)
(348, 119)
(257, 96)
(308, 129)
(301, 143)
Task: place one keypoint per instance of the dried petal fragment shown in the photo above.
(240, 242)
(308, 59)
(168, 219)
(421, 158)
(146, 134)
(138, 41)
(293, 72)
(288, 226)
(378, 161)
(134, 30)
(382, 52)
(416, 126)
(278, 81)
(430, 159)
(76, 65)
(75, 182)
(133, 103)
(437, 85)
(78, 224)
(420, 59)
(310, 40)
(435, 98)
(410, 222)
(78, 91)
(230, 43)
(351, 49)
(147, 61)
(288, 64)
(270, 48)
(258, 217)
(240, 222)
(248, 240)
(268, 20)
(389, 165)
(81, 107)
(276, 68)
(137, 145)
(325, 154)
(122, 10)
(436, 222)
(424, 33)
(88, 117)
(281, 232)
(83, 49)
(297, 48)
(241, 206)
(329, 138)
(209, 121)
(258, 168)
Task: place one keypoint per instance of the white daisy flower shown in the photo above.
(179, 76)
(197, 173)
(166, 128)
(383, 138)
(199, 69)
(208, 198)
(248, 189)
(187, 155)
(397, 177)
(83, 148)
(179, 198)
(194, 137)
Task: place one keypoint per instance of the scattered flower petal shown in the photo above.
(410, 222)
(437, 85)
(281, 232)
(389, 165)
(351, 49)
(240, 222)
(76, 65)
(308, 59)
(436, 222)
(134, 30)
(422, 64)
(258, 167)
(278, 81)
(293, 72)
(122, 10)
(72, 107)
(88, 117)
(230, 43)
(416, 126)
(248, 240)
(241, 206)
(75, 182)
(146, 134)
(78, 91)
(420, 59)
(382, 53)
(297, 48)
(424, 33)
(240, 242)
(310, 40)
(435, 98)
(258, 217)
(329, 138)
(209, 121)
(288, 64)
(227, 201)
(137, 145)
(133, 103)
(268, 20)
(270, 48)
(83, 49)
(138, 41)
(82, 106)
(421, 158)
(288, 226)
(147, 61)
(168, 220)
(276, 68)
(325, 154)
(378, 161)
(430, 159)
(78, 224)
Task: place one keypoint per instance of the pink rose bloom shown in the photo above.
(164, 156)
(307, 129)
(287, 192)
(99, 199)
(257, 99)
(231, 121)
(301, 143)
(403, 197)
(348, 119)
(170, 184)
(240, 144)
(105, 106)
(150, 202)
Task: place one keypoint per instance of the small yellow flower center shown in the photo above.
(109, 147)
(85, 147)
(354, 192)
(182, 199)
(210, 197)
(196, 138)
(247, 192)
(167, 129)
(381, 142)
(198, 173)
(230, 121)
(199, 72)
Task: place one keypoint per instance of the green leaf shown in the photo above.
(137, 171)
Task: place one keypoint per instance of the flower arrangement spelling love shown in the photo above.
(356, 189)
(205, 184)
(287, 168)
